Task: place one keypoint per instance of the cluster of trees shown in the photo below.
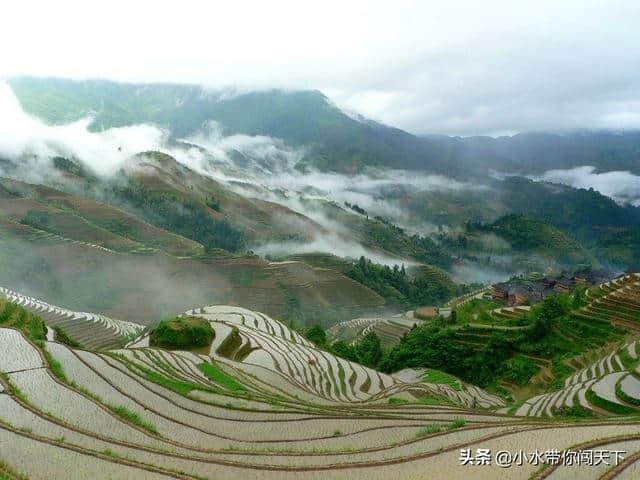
(356, 208)
(368, 351)
(179, 332)
(400, 289)
(380, 233)
(502, 356)
(181, 216)
(38, 219)
(435, 345)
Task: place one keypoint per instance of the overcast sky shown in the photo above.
(453, 67)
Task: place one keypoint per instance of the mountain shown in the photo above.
(336, 141)
(288, 176)
(333, 140)
(270, 287)
(537, 152)
(90, 255)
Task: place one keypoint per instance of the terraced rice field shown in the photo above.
(262, 402)
(510, 313)
(389, 329)
(467, 297)
(253, 340)
(88, 329)
(587, 387)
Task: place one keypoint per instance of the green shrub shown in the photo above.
(316, 334)
(182, 332)
(575, 412)
(429, 430)
(397, 401)
(132, 417)
(457, 423)
(519, 369)
(55, 367)
(62, 337)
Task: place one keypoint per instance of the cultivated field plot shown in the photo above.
(607, 386)
(88, 329)
(263, 402)
(390, 329)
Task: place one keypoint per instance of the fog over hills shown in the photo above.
(353, 240)
(298, 150)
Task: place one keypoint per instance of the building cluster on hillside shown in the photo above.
(532, 289)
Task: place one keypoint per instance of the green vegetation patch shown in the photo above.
(575, 411)
(133, 417)
(628, 362)
(62, 337)
(425, 285)
(486, 355)
(215, 374)
(12, 315)
(437, 376)
(55, 366)
(182, 332)
(429, 430)
(180, 387)
(8, 473)
(457, 423)
(600, 402)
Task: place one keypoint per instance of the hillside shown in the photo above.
(300, 118)
(119, 283)
(531, 235)
(47, 211)
(250, 183)
(262, 401)
(536, 152)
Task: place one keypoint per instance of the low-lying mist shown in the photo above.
(138, 288)
(33, 143)
(255, 166)
(622, 186)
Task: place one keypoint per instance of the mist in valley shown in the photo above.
(269, 169)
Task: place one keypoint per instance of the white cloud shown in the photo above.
(26, 137)
(622, 186)
(457, 67)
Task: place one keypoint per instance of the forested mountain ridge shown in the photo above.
(338, 141)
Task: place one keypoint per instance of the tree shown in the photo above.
(344, 350)
(317, 335)
(369, 350)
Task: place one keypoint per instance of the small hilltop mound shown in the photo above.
(182, 333)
